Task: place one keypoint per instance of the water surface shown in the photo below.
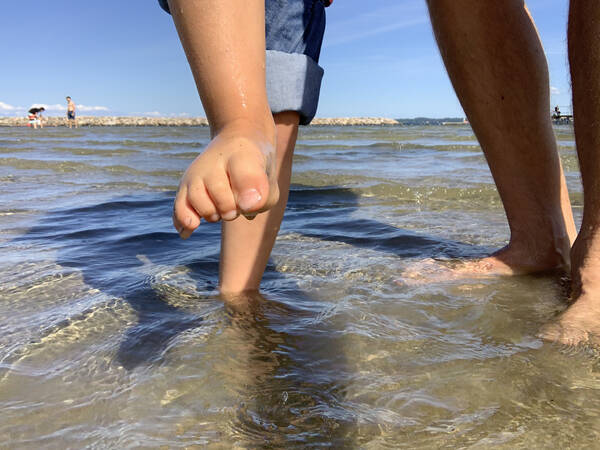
(112, 334)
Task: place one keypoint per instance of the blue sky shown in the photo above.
(117, 57)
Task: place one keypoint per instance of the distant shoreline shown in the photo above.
(130, 121)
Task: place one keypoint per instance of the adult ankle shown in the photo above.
(541, 251)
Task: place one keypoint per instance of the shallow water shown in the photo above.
(112, 336)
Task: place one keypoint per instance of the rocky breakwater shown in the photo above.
(129, 121)
(352, 121)
(112, 121)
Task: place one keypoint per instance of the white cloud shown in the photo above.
(554, 90)
(376, 21)
(60, 108)
(374, 31)
(152, 114)
(10, 110)
(55, 107)
(7, 107)
(91, 108)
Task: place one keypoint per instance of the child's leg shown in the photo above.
(225, 46)
(294, 32)
(246, 245)
(221, 49)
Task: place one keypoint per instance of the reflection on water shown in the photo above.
(112, 334)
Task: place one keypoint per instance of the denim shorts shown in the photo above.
(294, 34)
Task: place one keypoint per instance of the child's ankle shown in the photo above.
(262, 129)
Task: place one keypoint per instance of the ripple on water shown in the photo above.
(112, 334)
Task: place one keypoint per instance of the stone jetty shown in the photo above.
(111, 121)
(130, 121)
(350, 121)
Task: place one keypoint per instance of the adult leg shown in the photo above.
(246, 245)
(497, 66)
(581, 321)
(225, 46)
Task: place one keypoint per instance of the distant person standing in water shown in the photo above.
(71, 113)
(556, 114)
(35, 117)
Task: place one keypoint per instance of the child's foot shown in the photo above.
(234, 175)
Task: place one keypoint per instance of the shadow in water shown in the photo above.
(110, 242)
(307, 204)
(284, 364)
(277, 356)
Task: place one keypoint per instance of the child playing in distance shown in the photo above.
(254, 101)
(34, 115)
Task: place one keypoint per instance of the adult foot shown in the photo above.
(510, 260)
(520, 260)
(580, 322)
(234, 175)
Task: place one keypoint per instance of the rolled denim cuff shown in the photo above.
(293, 81)
(164, 5)
(293, 84)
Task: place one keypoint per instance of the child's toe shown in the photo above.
(220, 193)
(185, 218)
(249, 182)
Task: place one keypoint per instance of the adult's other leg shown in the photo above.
(580, 323)
(497, 66)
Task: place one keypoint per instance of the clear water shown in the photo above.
(112, 335)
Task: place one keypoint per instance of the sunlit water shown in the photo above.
(112, 334)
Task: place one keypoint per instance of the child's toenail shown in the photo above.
(248, 199)
(230, 215)
(188, 221)
(214, 218)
